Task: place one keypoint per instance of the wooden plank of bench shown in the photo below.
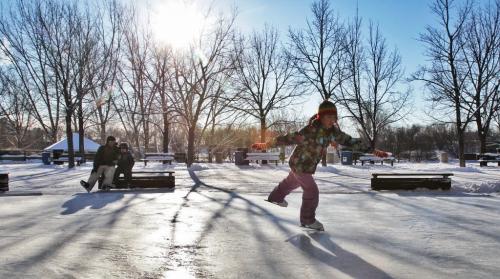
(483, 163)
(158, 158)
(4, 182)
(168, 159)
(170, 173)
(153, 171)
(412, 174)
(148, 182)
(410, 181)
(63, 160)
(263, 153)
(159, 154)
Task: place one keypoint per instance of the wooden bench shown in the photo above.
(261, 156)
(484, 159)
(484, 163)
(4, 182)
(62, 160)
(372, 159)
(410, 181)
(146, 179)
(160, 157)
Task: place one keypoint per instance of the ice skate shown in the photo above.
(284, 203)
(85, 185)
(315, 226)
(107, 188)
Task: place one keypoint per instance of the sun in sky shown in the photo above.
(176, 22)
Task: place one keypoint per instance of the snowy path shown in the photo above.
(216, 224)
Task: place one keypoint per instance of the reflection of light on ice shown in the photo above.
(177, 274)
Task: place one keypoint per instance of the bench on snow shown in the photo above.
(4, 182)
(261, 156)
(62, 160)
(146, 179)
(410, 181)
(160, 157)
(484, 159)
(372, 159)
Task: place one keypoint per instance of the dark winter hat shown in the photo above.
(327, 107)
(110, 138)
(123, 145)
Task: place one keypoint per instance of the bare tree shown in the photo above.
(482, 55)
(109, 31)
(160, 74)
(371, 94)
(23, 44)
(446, 77)
(196, 77)
(86, 73)
(264, 76)
(69, 44)
(134, 102)
(317, 52)
(15, 109)
(221, 113)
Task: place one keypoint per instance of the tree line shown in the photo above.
(96, 68)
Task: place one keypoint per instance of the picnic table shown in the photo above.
(370, 158)
(160, 157)
(261, 156)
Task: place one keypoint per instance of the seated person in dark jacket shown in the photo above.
(104, 163)
(125, 163)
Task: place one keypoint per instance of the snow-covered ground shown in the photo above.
(216, 224)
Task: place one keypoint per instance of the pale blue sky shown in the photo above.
(400, 22)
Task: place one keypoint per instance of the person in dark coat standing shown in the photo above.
(125, 164)
(104, 163)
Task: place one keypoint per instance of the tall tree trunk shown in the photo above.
(81, 132)
(460, 134)
(461, 147)
(482, 140)
(137, 141)
(146, 135)
(103, 132)
(190, 151)
(69, 138)
(262, 129)
(166, 127)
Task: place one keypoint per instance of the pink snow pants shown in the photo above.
(310, 196)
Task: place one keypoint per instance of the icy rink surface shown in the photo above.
(216, 224)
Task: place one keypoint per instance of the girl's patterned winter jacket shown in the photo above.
(312, 142)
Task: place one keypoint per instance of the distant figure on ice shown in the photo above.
(125, 164)
(312, 142)
(104, 163)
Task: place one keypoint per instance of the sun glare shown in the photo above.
(176, 22)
